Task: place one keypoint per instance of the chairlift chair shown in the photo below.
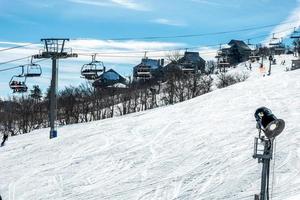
(143, 72)
(219, 52)
(18, 84)
(275, 41)
(253, 57)
(223, 63)
(295, 34)
(33, 70)
(92, 70)
(187, 68)
(279, 48)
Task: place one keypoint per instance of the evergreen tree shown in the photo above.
(36, 93)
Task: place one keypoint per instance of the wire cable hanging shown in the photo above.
(19, 66)
(113, 54)
(16, 47)
(176, 49)
(202, 34)
(14, 60)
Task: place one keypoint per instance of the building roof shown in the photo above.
(188, 61)
(109, 78)
(239, 43)
(191, 57)
(111, 75)
(151, 63)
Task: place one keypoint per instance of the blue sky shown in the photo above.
(91, 22)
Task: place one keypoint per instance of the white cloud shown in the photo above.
(118, 52)
(213, 3)
(208, 53)
(17, 52)
(207, 2)
(128, 45)
(169, 22)
(121, 52)
(286, 28)
(128, 4)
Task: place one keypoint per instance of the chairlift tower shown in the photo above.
(54, 48)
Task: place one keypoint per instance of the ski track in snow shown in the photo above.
(198, 149)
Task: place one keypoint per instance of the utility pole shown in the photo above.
(54, 49)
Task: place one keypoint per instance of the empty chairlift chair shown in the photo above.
(33, 70)
(92, 70)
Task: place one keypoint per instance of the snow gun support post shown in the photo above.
(270, 126)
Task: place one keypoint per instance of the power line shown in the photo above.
(113, 54)
(202, 34)
(16, 47)
(176, 49)
(265, 35)
(152, 51)
(19, 66)
(10, 68)
(10, 61)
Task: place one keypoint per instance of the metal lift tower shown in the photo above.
(54, 48)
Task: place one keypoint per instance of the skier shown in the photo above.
(5, 137)
(262, 69)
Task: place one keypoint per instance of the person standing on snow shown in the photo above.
(5, 137)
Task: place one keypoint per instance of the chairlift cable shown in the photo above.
(16, 47)
(7, 69)
(176, 49)
(199, 35)
(192, 35)
(10, 61)
(10, 68)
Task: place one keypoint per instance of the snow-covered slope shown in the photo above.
(198, 149)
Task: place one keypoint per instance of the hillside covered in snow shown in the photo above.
(198, 149)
